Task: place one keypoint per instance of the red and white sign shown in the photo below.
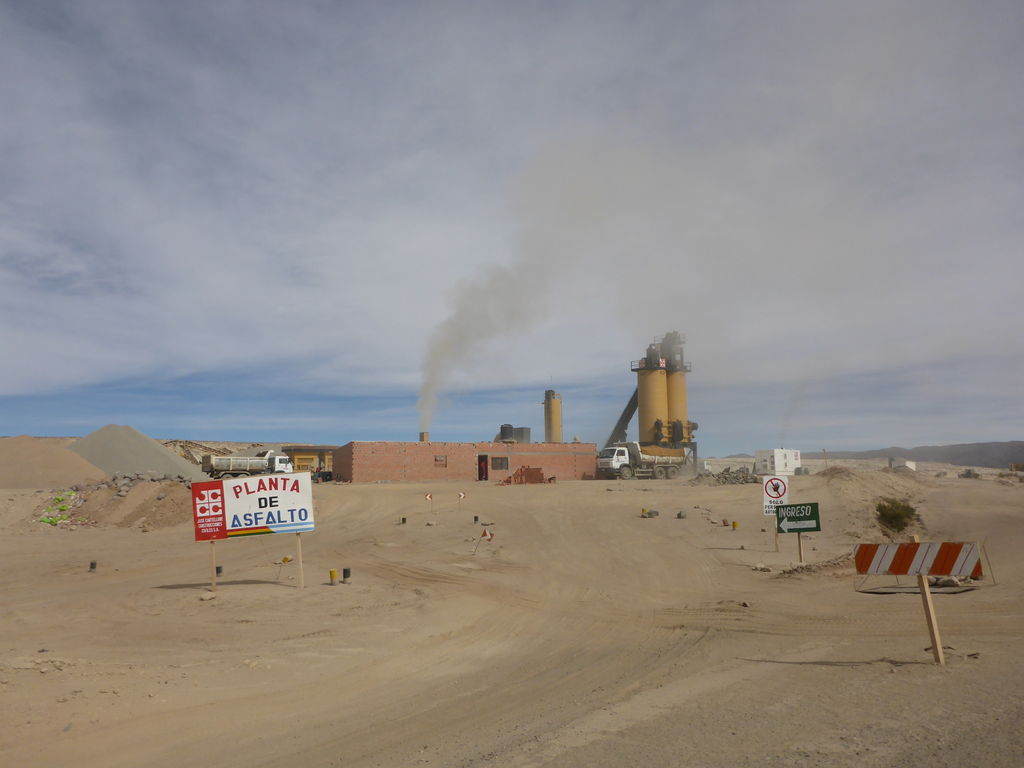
(488, 535)
(208, 511)
(461, 495)
(429, 497)
(931, 559)
(255, 505)
(776, 492)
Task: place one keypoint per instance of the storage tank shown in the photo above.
(552, 417)
(652, 394)
(676, 387)
(506, 433)
(521, 434)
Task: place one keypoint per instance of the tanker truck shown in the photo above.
(240, 466)
(630, 459)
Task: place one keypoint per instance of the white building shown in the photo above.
(777, 461)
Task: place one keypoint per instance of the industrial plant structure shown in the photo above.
(660, 398)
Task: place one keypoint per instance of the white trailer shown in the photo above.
(241, 466)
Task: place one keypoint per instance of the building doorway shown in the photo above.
(481, 467)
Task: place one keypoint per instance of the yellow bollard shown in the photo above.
(735, 524)
(333, 573)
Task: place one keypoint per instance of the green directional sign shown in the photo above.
(797, 518)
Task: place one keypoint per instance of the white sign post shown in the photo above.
(776, 492)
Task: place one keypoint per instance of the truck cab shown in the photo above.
(615, 461)
(281, 463)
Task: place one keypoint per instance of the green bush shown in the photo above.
(895, 514)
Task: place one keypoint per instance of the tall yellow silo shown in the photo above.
(676, 385)
(652, 396)
(676, 369)
(552, 417)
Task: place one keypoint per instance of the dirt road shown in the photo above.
(582, 635)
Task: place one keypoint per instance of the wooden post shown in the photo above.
(800, 546)
(302, 576)
(775, 528)
(213, 565)
(929, 615)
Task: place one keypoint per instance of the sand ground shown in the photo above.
(582, 635)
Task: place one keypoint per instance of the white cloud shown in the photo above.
(804, 190)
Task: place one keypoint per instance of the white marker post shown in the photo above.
(776, 492)
(302, 575)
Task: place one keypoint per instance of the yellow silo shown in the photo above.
(652, 396)
(676, 385)
(552, 417)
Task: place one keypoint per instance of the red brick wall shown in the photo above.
(367, 462)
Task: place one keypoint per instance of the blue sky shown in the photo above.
(254, 221)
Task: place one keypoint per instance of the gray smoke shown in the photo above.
(559, 202)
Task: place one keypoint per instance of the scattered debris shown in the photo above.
(761, 567)
(648, 513)
(835, 562)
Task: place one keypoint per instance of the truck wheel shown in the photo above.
(673, 473)
(625, 472)
(659, 473)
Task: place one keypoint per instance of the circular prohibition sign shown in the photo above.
(775, 487)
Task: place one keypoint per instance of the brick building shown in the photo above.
(368, 462)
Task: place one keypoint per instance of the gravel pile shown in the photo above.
(121, 450)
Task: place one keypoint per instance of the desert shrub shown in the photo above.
(895, 514)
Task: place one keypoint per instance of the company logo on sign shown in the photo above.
(208, 510)
(209, 502)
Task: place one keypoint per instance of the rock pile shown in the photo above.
(727, 476)
(124, 482)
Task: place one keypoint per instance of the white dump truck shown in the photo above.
(240, 466)
(629, 459)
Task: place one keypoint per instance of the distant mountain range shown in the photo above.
(998, 455)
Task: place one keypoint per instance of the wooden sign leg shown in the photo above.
(800, 546)
(929, 615)
(213, 565)
(302, 575)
